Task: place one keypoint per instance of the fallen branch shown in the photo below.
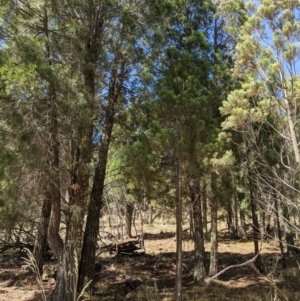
(258, 273)
(128, 246)
(14, 245)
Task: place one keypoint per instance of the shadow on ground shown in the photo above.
(152, 277)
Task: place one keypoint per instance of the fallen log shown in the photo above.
(128, 246)
(15, 245)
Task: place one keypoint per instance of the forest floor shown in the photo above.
(151, 277)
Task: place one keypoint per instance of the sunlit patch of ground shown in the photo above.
(151, 277)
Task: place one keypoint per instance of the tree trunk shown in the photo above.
(49, 225)
(262, 225)
(230, 225)
(57, 246)
(150, 219)
(129, 212)
(178, 284)
(291, 122)
(86, 270)
(236, 217)
(278, 226)
(199, 261)
(41, 239)
(243, 225)
(275, 227)
(192, 226)
(204, 209)
(255, 225)
(68, 252)
(213, 267)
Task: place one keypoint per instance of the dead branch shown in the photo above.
(128, 246)
(249, 262)
(258, 273)
(14, 245)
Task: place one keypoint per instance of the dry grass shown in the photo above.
(152, 277)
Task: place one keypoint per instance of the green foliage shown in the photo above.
(266, 58)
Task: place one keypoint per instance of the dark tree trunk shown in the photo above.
(192, 226)
(276, 207)
(150, 219)
(199, 261)
(50, 221)
(68, 253)
(41, 238)
(56, 243)
(213, 267)
(262, 225)
(255, 225)
(230, 224)
(236, 216)
(128, 213)
(86, 268)
(243, 225)
(204, 211)
(178, 284)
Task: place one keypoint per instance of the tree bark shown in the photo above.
(235, 211)
(86, 269)
(243, 225)
(262, 225)
(213, 267)
(255, 225)
(230, 224)
(178, 284)
(150, 219)
(41, 239)
(278, 225)
(251, 185)
(291, 122)
(204, 209)
(199, 261)
(129, 212)
(192, 226)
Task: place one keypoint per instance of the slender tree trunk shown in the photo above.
(192, 225)
(230, 225)
(129, 212)
(199, 261)
(178, 284)
(236, 217)
(278, 226)
(86, 270)
(41, 239)
(56, 243)
(291, 122)
(213, 267)
(262, 225)
(204, 209)
(134, 219)
(243, 225)
(49, 225)
(53, 194)
(255, 225)
(109, 216)
(275, 227)
(150, 219)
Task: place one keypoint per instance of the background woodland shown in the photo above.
(140, 109)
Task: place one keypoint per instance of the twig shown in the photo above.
(83, 290)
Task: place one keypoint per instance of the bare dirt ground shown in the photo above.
(152, 276)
